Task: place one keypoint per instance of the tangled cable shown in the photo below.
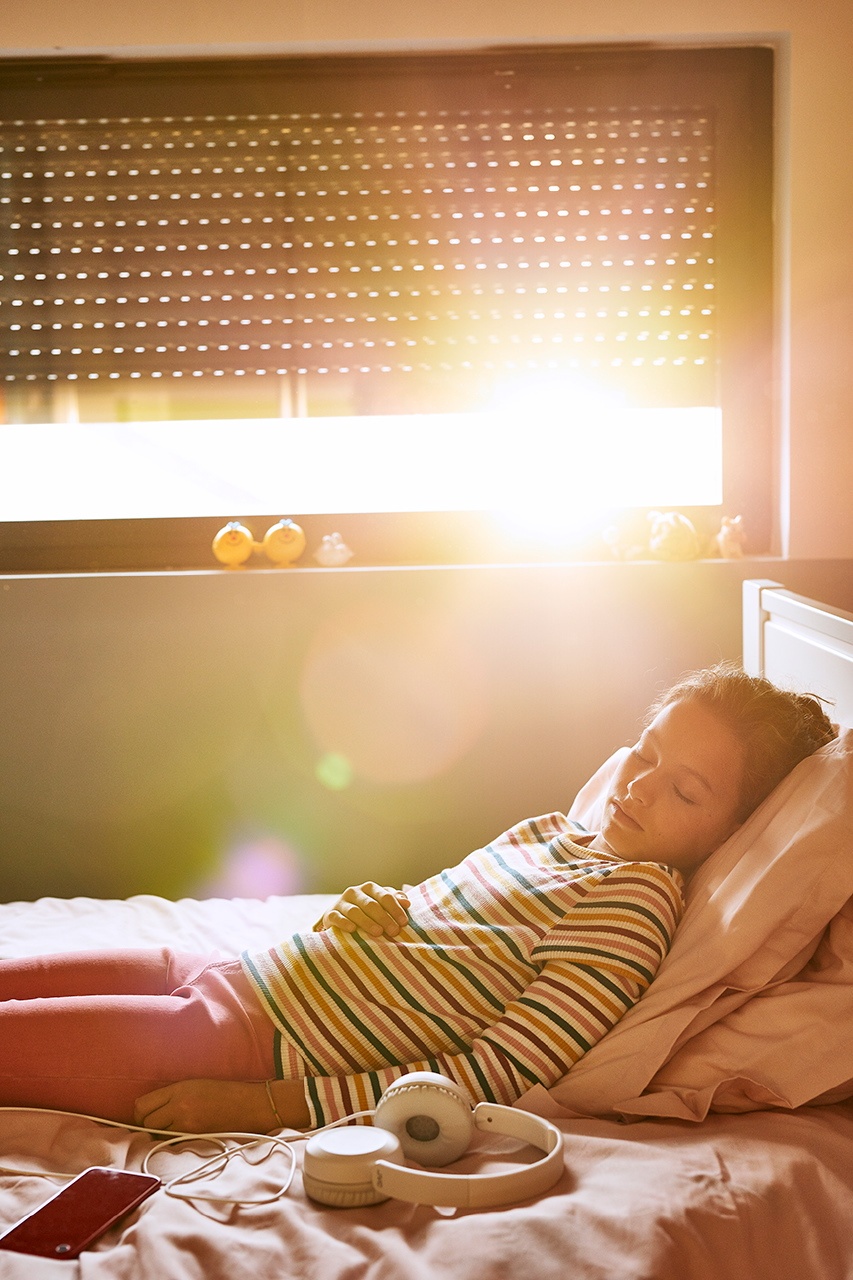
(180, 1187)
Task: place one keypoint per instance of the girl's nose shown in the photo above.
(638, 789)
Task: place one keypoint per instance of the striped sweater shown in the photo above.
(512, 965)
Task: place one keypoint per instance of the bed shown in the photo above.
(708, 1135)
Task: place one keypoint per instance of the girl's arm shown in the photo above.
(224, 1106)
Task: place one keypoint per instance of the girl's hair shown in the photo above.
(778, 729)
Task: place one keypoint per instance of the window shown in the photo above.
(214, 260)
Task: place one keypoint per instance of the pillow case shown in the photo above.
(752, 1006)
(790, 1044)
(588, 805)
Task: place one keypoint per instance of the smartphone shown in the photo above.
(84, 1209)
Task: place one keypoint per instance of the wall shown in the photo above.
(816, 184)
(162, 733)
(150, 725)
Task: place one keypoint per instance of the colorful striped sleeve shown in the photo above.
(597, 962)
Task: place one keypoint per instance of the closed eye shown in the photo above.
(682, 796)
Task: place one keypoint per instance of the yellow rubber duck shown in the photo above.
(233, 545)
(284, 542)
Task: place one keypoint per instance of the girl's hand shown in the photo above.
(368, 908)
(222, 1106)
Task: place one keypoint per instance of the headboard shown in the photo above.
(799, 644)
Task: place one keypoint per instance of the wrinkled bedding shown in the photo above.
(762, 1194)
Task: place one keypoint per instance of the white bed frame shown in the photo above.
(799, 644)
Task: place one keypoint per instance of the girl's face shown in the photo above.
(675, 797)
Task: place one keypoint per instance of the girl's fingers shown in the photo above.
(369, 908)
(385, 909)
(335, 919)
(358, 919)
(150, 1103)
(159, 1119)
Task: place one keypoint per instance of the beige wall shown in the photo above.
(161, 733)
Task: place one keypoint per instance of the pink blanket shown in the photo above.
(763, 1195)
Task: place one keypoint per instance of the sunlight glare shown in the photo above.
(551, 453)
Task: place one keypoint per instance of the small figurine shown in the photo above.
(623, 542)
(728, 543)
(233, 545)
(284, 542)
(332, 552)
(672, 537)
(660, 536)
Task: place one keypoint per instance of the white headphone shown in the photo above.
(426, 1118)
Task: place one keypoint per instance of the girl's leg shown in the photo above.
(97, 1054)
(154, 972)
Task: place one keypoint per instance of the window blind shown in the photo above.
(361, 243)
(450, 219)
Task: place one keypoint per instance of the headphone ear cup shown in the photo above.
(341, 1197)
(338, 1164)
(430, 1115)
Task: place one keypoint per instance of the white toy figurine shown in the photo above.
(728, 543)
(332, 552)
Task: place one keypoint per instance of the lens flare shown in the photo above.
(254, 867)
(334, 771)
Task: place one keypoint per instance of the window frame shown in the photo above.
(746, 363)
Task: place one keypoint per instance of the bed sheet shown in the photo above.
(764, 1194)
(225, 926)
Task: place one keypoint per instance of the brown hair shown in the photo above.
(778, 729)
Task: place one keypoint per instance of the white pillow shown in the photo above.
(588, 805)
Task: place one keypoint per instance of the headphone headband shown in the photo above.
(482, 1190)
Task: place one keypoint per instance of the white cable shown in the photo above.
(221, 1159)
(223, 1156)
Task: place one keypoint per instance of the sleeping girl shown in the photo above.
(499, 972)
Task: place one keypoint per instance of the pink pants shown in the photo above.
(90, 1032)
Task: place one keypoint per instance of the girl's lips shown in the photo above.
(623, 815)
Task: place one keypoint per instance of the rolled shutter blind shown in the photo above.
(460, 240)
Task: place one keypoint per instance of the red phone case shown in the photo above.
(65, 1224)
